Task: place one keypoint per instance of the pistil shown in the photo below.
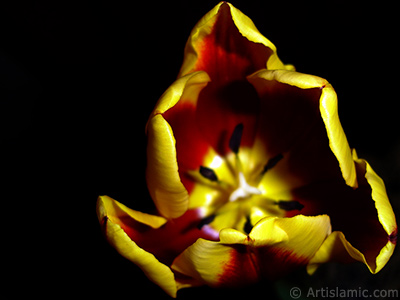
(244, 190)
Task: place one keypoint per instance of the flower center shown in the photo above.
(242, 202)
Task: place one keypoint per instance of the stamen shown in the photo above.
(247, 226)
(236, 137)
(290, 205)
(208, 173)
(206, 221)
(272, 163)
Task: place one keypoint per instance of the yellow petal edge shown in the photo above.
(245, 26)
(108, 210)
(166, 189)
(336, 247)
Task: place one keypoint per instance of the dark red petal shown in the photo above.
(352, 211)
(228, 56)
(222, 107)
(191, 146)
(276, 262)
(310, 158)
(248, 265)
(290, 124)
(240, 270)
(287, 113)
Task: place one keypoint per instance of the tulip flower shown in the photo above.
(250, 171)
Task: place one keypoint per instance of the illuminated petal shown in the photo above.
(266, 232)
(272, 248)
(379, 195)
(370, 235)
(337, 138)
(226, 44)
(305, 234)
(110, 214)
(165, 185)
(116, 211)
(247, 28)
(184, 89)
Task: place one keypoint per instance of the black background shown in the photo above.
(78, 82)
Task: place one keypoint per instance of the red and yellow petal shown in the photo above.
(163, 179)
(165, 239)
(337, 138)
(363, 214)
(378, 193)
(165, 187)
(274, 247)
(299, 111)
(111, 215)
(117, 213)
(370, 236)
(226, 44)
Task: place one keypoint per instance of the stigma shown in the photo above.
(244, 190)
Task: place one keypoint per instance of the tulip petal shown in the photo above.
(201, 263)
(221, 107)
(335, 248)
(109, 212)
(166, 240)
(363, 219)
(226, 44)
(366, 228)
(247, 28)
(337, 138)
(305, 235)
(163, 179)
(292, 104)
(165, 187)
(116, 210)
(385, 212)
(272, 248)
(185, 90)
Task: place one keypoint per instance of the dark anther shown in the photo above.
(206, 221)
(272, 163)
(236, 137)
(208, 173)
(247, 226)
(290, 205)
